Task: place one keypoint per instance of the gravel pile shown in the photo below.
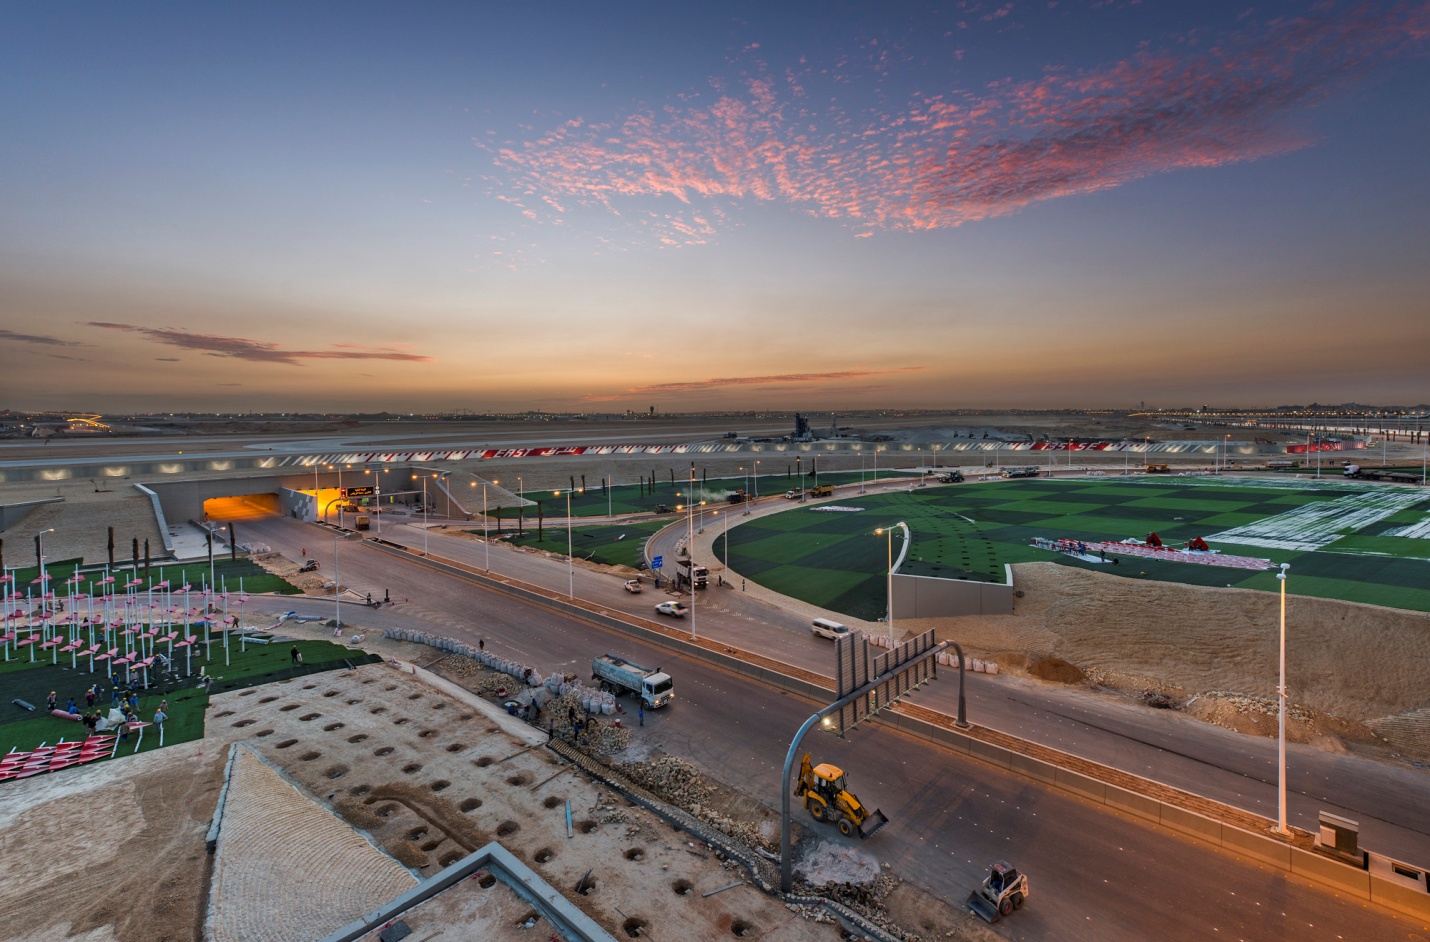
(1244, 703)
(673, 779)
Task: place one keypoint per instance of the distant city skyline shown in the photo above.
(736, 206)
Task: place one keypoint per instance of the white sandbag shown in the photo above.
(990, 668)
(977, 666)
(608, 708)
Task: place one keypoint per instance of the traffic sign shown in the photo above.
(657, 562)
(366, 490)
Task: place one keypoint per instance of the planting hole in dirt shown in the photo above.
(264, 732)
(390, 687)
(358, 738)
(360, 789)
(470, 804)
(401, 721)
(331, 693)
(337, 771)
(286, 743)
(440, 785)
(551, 801)
(309, 716)
(332, 726)
(427, 734)
(383, 751)
(543, 855)
(586, 825)
(634, 927)
(416, 834)
(456, 747)
(529, 920)
(267, 699)
(220, 716)
(587, 888)
(310, 687)
(414, 696)
(483, 762)
(636, 853)
(387, 811)
(449, 858)
(291, 706)
(682, 888)
(242, 723)
(412, 767)
(439, 705)
(370, 680)
(486, 881)
(741, 928)
(520, 778)
(310, 756)
(432, 845)
(248, 693)
(507, 828)
(354, 702)
(377, 710)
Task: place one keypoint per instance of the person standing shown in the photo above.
(293, 655)
(51, 701)
(640, 712)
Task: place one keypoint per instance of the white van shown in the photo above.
(828, 629)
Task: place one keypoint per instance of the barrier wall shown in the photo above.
(932, 597)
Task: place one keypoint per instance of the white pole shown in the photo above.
(570, 565)
(424, 515)
(889, 535)
(1281, 716)
(486, 527)
(608, 497)
(377, 484)
(861, 472)
(337, 588)
(690, 550)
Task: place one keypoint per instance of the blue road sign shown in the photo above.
(657, 562)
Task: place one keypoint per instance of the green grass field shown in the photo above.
(617, 545)
(260, 664)
(966, 531)
(230, 574)
(633, 498)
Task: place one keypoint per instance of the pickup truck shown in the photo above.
(633, 586)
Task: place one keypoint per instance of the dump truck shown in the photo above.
(363, 522)
(738, 497)
(654, 688)
(687, 571)
(1031, 471)
(821, 490)
(951, 477)
(1159, 469)
(822, 789)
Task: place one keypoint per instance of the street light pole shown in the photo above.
(486, 528)
(690, 549)
(1281, 716)
(888, 533)
(337, 585)
(800, 462)
(757, 480)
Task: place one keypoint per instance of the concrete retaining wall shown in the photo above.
(932, 597)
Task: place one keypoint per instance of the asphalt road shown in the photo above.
(1096, 875)
(1391, 802)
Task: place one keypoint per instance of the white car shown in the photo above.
(673, 609)
(825, 628)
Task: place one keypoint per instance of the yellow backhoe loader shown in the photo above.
(821, 788)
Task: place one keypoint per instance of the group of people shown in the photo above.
(123, 697)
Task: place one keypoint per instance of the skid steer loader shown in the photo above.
(1002, 891)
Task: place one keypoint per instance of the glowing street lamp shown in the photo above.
(888, 533)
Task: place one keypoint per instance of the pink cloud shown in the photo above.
(963, 155)
(257, 350)
(778, 379)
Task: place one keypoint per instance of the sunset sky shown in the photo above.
(585, 206)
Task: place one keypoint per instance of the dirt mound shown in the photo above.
(1184, 640)
(1055, 669)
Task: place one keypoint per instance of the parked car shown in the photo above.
(633, 585)
(673, 609)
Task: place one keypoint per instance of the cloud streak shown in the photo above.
(37, 339)
(963, 155)
(778, 379)
(257, 350)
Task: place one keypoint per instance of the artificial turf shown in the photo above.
(971, 532)
(260, 664)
